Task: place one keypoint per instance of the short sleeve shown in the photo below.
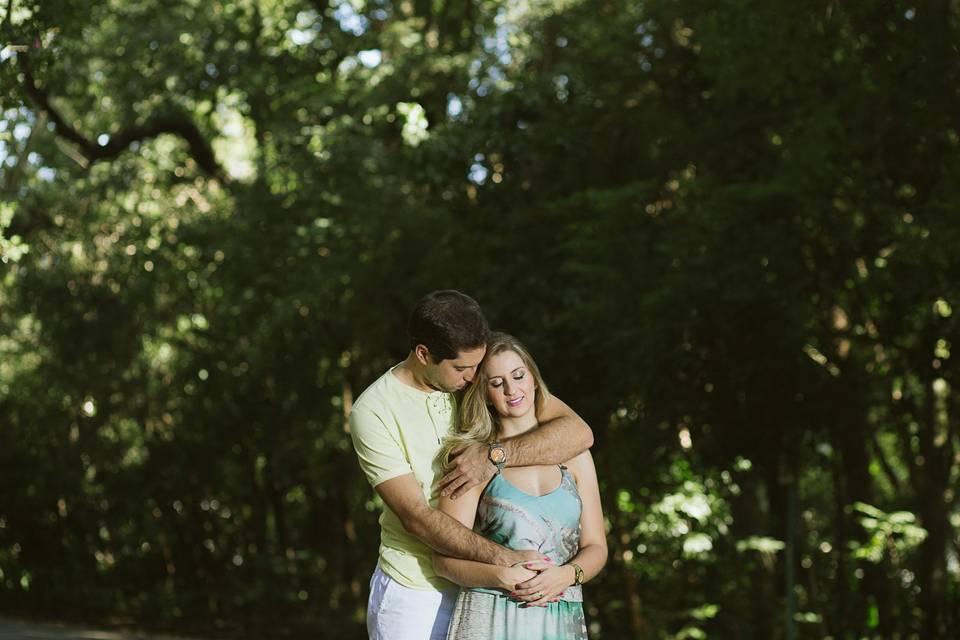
(378, 448)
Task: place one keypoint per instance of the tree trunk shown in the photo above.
(932, 482)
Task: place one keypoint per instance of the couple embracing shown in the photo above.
(487, 483)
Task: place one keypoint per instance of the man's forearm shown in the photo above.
(445, 535)
(553, 442)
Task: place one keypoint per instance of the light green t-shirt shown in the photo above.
(397, 430)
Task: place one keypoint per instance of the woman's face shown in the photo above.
(510, 386)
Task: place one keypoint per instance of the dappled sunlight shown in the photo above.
(728, 234)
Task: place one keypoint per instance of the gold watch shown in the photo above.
(577, 573)
(497, 455)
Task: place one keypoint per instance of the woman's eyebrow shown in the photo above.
(521, 367)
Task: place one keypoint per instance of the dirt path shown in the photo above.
(20, 630)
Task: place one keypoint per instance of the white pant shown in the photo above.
(396, 612)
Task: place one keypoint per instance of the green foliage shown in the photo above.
(894, 533)
(727, 232)
(11, 249)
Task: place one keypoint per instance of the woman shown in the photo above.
(553, 509)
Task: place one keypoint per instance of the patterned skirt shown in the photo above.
(484, 616)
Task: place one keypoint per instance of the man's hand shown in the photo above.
(512, 558)
(511, 577)
(471, 466)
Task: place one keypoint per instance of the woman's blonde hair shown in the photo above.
(477, 421)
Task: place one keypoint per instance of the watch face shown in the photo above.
(497, 455)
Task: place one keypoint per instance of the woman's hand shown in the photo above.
(549, 583)
(512, 577)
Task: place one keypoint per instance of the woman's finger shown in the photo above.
(531, 585)
(543, 601)
(528, 592)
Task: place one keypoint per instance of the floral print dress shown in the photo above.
(517, 520)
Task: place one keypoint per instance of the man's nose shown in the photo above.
(468, 375)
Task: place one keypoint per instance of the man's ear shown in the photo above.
(422, 353)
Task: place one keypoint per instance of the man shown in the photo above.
(397, 426)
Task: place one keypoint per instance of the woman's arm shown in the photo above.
(592, 556)
(469, 573)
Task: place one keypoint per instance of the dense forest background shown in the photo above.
(728, 231)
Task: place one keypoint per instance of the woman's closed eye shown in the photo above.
(496, 383)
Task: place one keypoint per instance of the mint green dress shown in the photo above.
(549, 524)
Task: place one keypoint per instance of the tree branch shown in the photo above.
(174, 122)
(7, 20)
(909, 455)
(885, 464)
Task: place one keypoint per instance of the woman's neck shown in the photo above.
(510, 427)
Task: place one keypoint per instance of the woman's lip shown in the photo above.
(514, 402)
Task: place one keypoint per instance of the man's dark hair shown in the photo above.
(447, 322)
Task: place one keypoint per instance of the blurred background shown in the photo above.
(728, 231)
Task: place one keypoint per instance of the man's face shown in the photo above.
(454, 375)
